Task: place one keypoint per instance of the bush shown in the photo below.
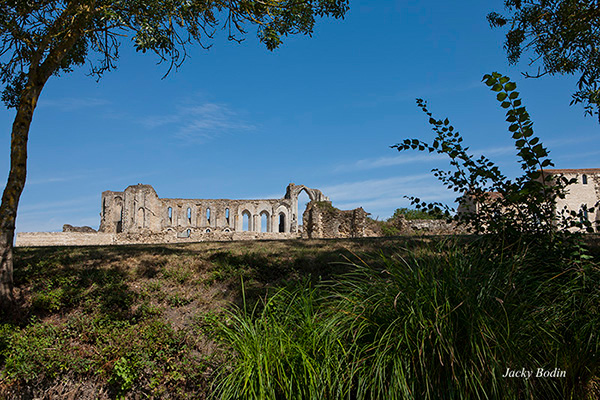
(525, 205)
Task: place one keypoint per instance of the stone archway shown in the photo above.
(292, 193)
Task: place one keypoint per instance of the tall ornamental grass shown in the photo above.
(441, 324)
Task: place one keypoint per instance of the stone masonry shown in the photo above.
(585, 190)
(139, 210)
(138, 215)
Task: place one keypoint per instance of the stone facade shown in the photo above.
(585, 190)
(138, 215)
(139, 210)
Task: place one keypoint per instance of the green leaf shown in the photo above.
(497, 87)
(501, 96)
(505, 104)
(510, 86)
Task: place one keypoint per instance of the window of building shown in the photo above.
(246, 221)
(282, 222)
(584, 179)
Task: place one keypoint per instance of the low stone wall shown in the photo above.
(430, 227)
(36, 239)
(39, 239)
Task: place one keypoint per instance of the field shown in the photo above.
(364, 318)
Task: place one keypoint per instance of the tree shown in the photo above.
(44, 38)
(564, 37)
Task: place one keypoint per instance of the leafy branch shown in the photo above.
(488, 201)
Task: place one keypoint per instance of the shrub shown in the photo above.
(510, 207)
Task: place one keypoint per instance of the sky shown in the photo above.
(240, 122)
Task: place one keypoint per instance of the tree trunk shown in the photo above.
(14, 187)
(71, 23)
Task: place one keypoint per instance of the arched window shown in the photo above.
(264, 222)
(208, 216)
(189, 215)
(170, 215)
(207, 230)
(119, 213)
(188, 233)
(227, 215)
(584, 179)
(281, 222)
(246, 221)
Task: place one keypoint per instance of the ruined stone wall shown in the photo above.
(137, 215)
(38, 239)
(322, 220)
(138, 209)
(430, 227)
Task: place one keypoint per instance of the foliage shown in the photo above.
(488, 200)
(388, 229)
(408, 213)
(289, 349)
(445, 323)
(563, 36)
(32, 33)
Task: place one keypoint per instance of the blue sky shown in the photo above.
(238, 121)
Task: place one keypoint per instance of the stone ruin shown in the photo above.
(138, 215)
(139, 211)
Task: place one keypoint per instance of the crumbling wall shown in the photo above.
(322, 220)
(430, 227)
(83, 229)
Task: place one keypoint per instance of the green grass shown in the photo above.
(444, 324)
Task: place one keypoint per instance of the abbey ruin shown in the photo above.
(138, 215)
(139, 210)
